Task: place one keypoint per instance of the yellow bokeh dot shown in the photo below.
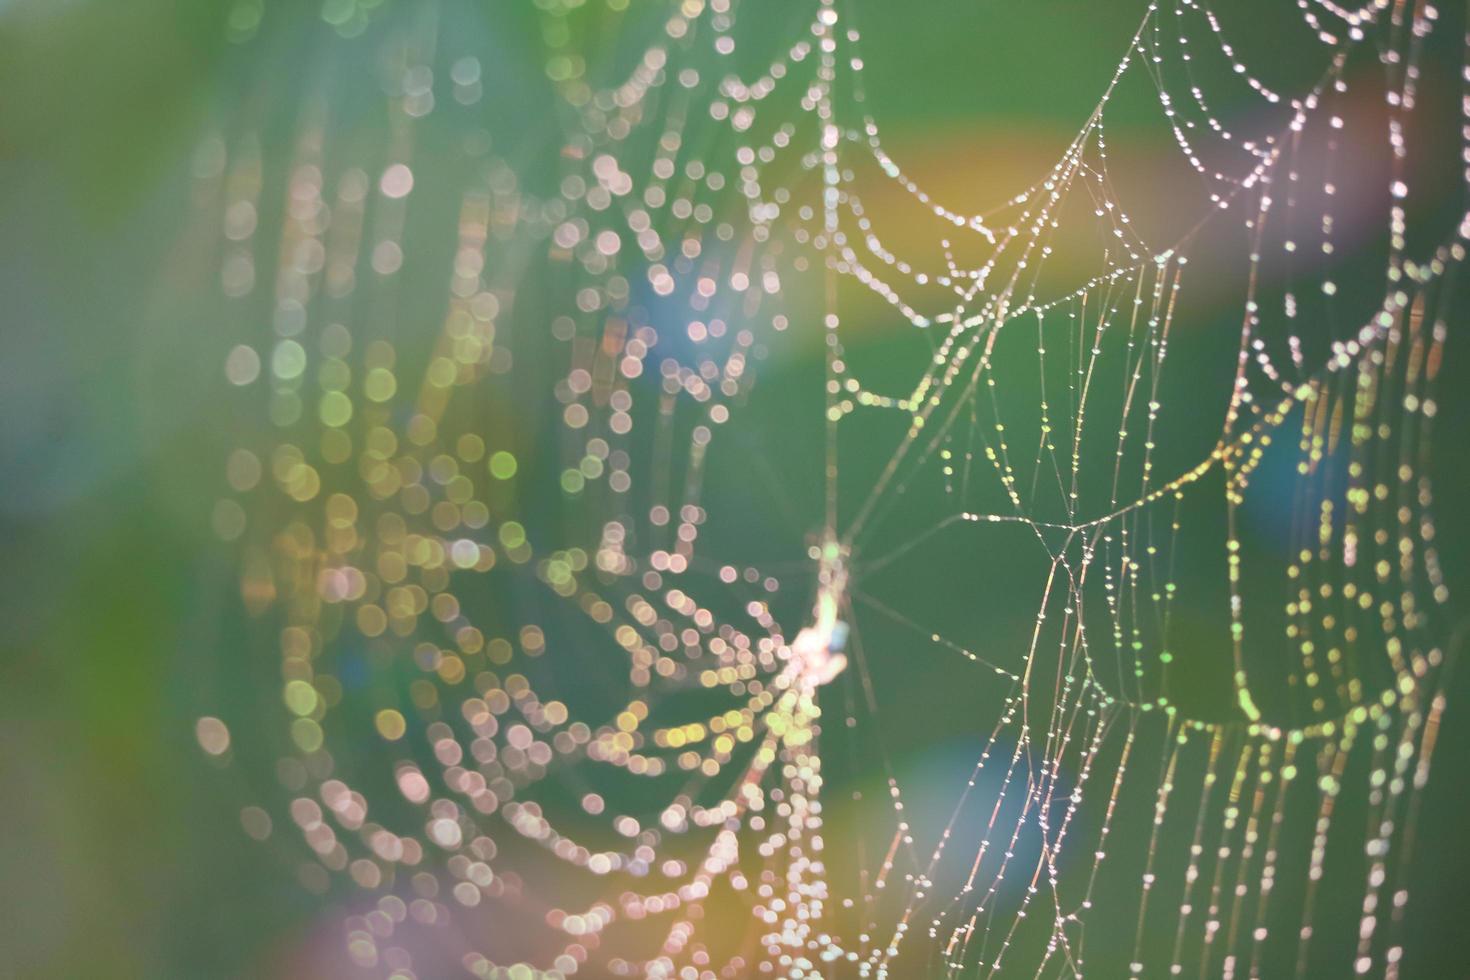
(512, 535)
(502, 465)
(380, 385)
(390, 724)
(335, 409)
(307, 734)
(371, 620)
(470, 447)
(300, 697)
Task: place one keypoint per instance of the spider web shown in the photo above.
(583, 649)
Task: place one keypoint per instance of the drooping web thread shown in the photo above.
(522, 721)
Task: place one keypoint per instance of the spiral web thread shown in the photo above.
(417, 605)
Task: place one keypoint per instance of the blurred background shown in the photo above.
(121, 618)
